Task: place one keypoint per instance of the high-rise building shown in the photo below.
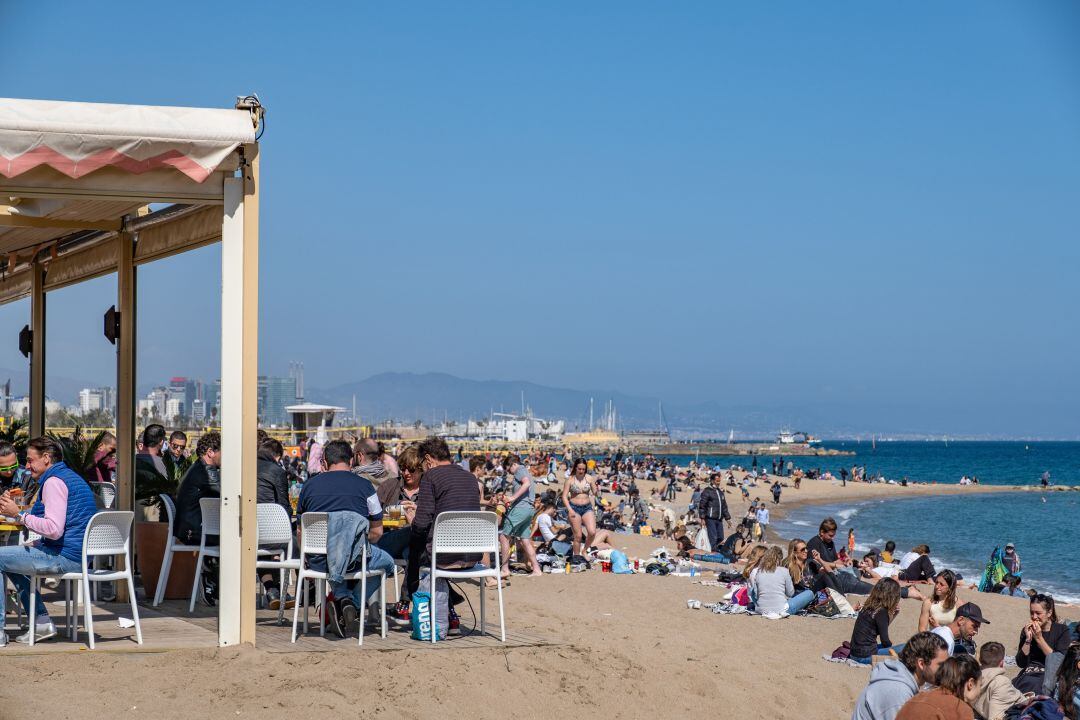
(198, 411)
(174, 410)
(275, 394)
(92, 399)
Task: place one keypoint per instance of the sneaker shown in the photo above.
(207, 594)
(394, 618)
(455, 621)
(333, 619)
(3, 639)
(273, 599)
(46, 631)
(348, 614)
(399, 615)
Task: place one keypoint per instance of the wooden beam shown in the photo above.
(37, 352)
(11, 220)
(125, 384)
(239, 405)
(125, 372)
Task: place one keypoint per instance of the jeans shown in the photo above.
(377, 560)
(800, 601)
(869, 660)
(716, 557)
(845, 582)
(18, 563)
(714, 528)
(396, 543)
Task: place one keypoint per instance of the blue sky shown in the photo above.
(864, 205)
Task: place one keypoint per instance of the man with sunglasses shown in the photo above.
(176, 450)
(11, 474)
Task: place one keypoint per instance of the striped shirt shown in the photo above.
(443, 488)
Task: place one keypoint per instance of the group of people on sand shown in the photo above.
(940, 673)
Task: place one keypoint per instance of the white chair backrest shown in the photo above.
(170, 511)
(211, 515)
(108, 533)
(466, 532)
(108, 494)
(313, 528)
(275, 527)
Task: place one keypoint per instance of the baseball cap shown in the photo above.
(1010, 546)
(972, 612)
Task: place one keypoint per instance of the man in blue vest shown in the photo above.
(60, 517)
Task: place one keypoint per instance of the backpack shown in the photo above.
(843, 652)
(1041, 708)
(823, 605)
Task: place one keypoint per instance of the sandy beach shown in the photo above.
(626, 647)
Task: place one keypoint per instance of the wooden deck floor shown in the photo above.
(171, 627)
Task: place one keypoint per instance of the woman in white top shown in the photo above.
(771, 586)
(939, 609)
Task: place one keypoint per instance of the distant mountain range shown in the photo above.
(432, 397)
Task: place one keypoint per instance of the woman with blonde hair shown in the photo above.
(872, 624)
(798, 567)
(753, 558)
(772, 588)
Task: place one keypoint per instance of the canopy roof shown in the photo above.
(73, 173)
(77, 138)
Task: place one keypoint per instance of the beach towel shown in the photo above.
(994, 572)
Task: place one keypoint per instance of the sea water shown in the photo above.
(961, 530)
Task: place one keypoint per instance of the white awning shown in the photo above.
(77, 138)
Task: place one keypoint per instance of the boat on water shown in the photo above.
(798, 437)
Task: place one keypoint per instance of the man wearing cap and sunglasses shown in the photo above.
(1011, 560)
(963, 628)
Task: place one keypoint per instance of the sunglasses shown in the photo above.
(9, 468)
(177, 446)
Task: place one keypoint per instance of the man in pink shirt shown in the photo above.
(60, 517)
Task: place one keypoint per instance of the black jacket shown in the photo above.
(273, 483)
(712, 504)
(198, 483)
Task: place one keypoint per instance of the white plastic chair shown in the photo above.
(106, 491)
(211, 525)
(313, 532)
(466, 532)
(107, 534)
(275, 529)
(171, 546)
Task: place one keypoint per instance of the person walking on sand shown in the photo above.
(762, 516)
(713, 510)
(776, 493)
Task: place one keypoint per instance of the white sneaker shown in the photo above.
(42, 632)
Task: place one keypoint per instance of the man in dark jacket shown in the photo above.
(273, 488)
(713, 510)
(200, 481)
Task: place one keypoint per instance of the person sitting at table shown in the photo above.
(336, 489)
(60, 517)
(272, 488)
(401, 491)
(445, 487)
(199, 483)
(11, 475)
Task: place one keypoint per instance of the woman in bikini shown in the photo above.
(578, 493)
